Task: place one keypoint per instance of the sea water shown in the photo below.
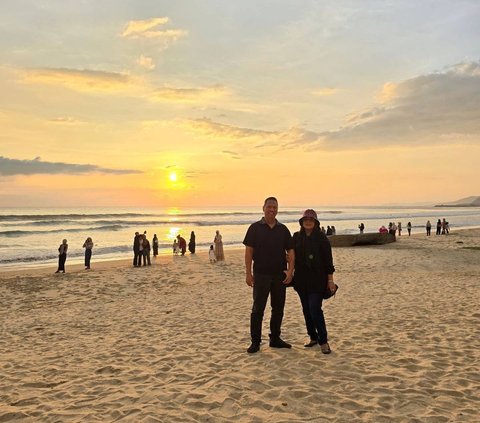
(31, 236)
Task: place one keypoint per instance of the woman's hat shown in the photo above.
(311, 214)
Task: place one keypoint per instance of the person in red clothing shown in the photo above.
(182, 244)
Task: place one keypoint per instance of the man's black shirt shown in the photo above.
(269, 246)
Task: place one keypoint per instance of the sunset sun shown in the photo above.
(172, 176)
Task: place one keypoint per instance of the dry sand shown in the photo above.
(167, 343)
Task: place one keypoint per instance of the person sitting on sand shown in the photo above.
(211, 254)
(383, 230)
(62, 256)
(88, 245)
(313, 276)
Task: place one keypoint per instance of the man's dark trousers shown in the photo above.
(263, 286)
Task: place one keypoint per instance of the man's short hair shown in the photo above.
(269, 199)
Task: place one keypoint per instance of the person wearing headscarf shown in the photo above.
(62, 256)
(313, 276)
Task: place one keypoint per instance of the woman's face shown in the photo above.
(308, 223)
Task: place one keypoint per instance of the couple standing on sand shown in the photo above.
(269, 246)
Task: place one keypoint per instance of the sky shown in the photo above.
(221, 103)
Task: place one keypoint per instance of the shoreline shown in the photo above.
(107, 264)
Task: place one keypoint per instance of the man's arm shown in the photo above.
(248, 265)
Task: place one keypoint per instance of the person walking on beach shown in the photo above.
(191, 243)
(361, 227)
(428, 227)
(268, 245)
(439, 227)
(217, 241)
(136, 249)
(182, 244)
(155, 245)
(409, 228)
(88, 245)
(313, 276)
(62, 256)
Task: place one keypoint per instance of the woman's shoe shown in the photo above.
(325, 348)
(312, 343)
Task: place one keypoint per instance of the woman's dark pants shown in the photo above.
(264, 286)
(313, 313)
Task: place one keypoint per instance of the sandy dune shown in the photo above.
(167, 343)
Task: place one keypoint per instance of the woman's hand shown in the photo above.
(331, 286)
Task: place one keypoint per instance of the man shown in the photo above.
(136, 249)
(268, 244)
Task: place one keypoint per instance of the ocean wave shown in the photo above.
(17, 233)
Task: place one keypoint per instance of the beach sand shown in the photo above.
(168, 343)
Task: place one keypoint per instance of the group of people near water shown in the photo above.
(215, 253)
(62, 254)
(443, 227)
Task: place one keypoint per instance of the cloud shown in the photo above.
(146, 62)
(81, 80)
(67, 120)
(324, 92)
(9, 167)
(188, 95)
(150, 29)
(441, 107)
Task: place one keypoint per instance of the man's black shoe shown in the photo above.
(253, 348)
(279, 343)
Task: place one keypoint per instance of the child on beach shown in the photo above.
(211, 255)
(175, 247)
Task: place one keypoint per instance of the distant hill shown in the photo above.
(463, 202)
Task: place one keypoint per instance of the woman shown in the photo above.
(409, 228)
(191, 243)
(428, 227)
(313, 276)
(62, 256)
(88, 245)
(217, 241)
(155, 245)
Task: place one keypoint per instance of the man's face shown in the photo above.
(270, 209)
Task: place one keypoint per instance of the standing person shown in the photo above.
(313, 276)
(361, 227)
(191, 243)
(136, 248)
(155, 245)
(217, 241)
(88, 245)
(140, 249)
(428, 227)
(175, 247)
(329, 230)
(268, 245)
(447, 228)
(62, 256)
(439, 227)
(211, 254)
(146, 251)
(394, 229)
(182, 244)
(399, 228)
(334, 231)
(409, 228)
